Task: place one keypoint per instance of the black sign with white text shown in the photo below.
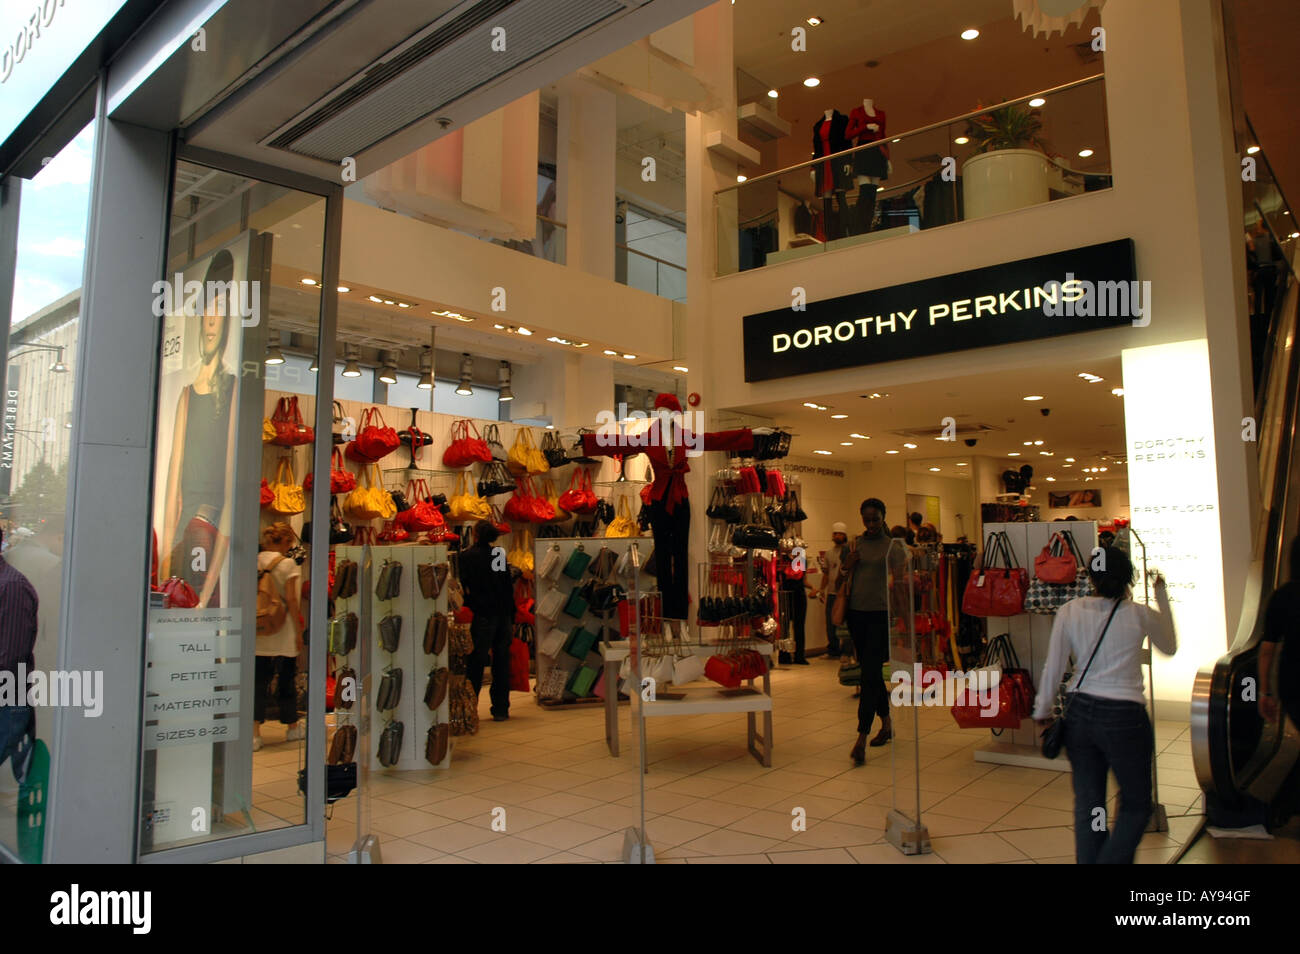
(1061, 293)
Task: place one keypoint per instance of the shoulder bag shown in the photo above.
(995, 590)
(1054, 734)
(466, 446)
(1060, 575)
(288, 498)
(290, 431)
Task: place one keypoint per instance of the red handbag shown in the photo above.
(466, 446)
(579, 498)
(519, 666)
(498, 520)
(392, 533)
(522, 505)
(1005, 705)
(994, 590)
(1056, 562)
(268, 495)
(375, 439)
(775, 484)
(290, 431)
(177, 594)
(423, 515)
(342, 480)
(747, 481)
(464, 615)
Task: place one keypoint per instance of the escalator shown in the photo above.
(1249, 768)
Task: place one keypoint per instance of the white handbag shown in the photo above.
(553, 644)
(660, 670)
(551, 564)
(687, 669)
(552, 604)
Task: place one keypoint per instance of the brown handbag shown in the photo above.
(432, 576)
(435, 749)
(436, 688)
(435, 634)
(344, 745)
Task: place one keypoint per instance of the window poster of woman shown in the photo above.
(1074, 498)
(198, 414)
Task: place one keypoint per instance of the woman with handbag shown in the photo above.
(277, 650)
(866, 571)
(1106, 727)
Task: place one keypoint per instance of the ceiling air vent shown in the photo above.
(432, 69)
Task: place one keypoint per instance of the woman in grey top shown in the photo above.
(866, 570)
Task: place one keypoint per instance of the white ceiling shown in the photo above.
(1086, 421)
(852, 31)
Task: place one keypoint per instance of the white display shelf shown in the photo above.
(710, 701)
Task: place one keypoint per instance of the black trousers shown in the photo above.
(832, 637)
(672, 533)
(1109, 735)
(870, 633)
(286, 694)
(492, 635)
(796, 618)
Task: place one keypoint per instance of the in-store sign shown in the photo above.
(1065, 292)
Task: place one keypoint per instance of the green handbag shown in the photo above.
(580, 643)
(576, 605)
(576, 565)
(342, 638)
(583, 680)
(851, 674)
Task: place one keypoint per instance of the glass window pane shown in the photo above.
(226, 675)
(39, 385)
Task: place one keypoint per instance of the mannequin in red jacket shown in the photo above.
(670, 508)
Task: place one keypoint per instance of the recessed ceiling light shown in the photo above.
(607, 351)
(1294, 235)
(1014, 454)
(344, 289)
(402, 304)
(630, 357)
(1051, 480)
(1118, 392)
(962, 140)
(498, 327)
(934, 470)
(910, 446)
(681, 367)
(838, 417)
(810, 404)
(1029, 443)
(823, 452)
(1085, 153)
(812, 81)
(389, 301)
(1047, 453)
(773, 93)
(970, 34)
(1036, 102)
(526, 332)
(1070, 459)
(846, 443)
(1251, 150)
(891, 452)
(815, 21)
(1033, 397)
(1067, 465)
(1104, 469)
(861, 437)
(1038, 443)
(376, 299)
(741, 178)
(309, 281)
(898, 140)
(963, 463)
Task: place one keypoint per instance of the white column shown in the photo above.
(584, 189)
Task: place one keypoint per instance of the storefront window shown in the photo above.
(226, 678)
(44, 321)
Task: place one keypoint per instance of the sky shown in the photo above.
(52, 228)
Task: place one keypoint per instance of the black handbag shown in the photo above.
(553, 450)
(340, 780)
(605, 598)
(389, 584)
(576, 454)
(496, 479)
(755, 536)
(390, 633)
(1054, 735)
(390, 690)
(390, 744)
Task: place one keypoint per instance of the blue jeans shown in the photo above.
(1102, 735)
(14, 721)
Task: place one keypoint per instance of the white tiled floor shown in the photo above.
(707, 801)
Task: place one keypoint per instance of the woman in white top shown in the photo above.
(1107, 727)
(277, 652)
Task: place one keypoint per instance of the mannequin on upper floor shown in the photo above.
(870, 166)
(832, 177)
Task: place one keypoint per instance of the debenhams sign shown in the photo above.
(1080, 290)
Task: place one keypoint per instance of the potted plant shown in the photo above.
(1010, 167)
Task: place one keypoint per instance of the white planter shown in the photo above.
(1003, 180)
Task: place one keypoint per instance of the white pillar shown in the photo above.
(584, 189)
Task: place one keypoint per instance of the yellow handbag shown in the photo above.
(370, 500)
(289, 498)
(268, 430)
(521, 553)
(524, 456)
(546, 489)
(465, 504)
(624, 524)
